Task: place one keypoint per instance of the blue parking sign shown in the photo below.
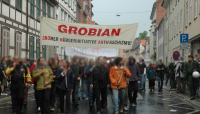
(184, 38)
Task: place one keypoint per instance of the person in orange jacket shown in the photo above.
(118, 88)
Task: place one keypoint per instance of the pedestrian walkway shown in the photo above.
(8, 97)
(184, 96)
(148, 103)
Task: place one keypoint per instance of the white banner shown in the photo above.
(62, 33)
(91, 52)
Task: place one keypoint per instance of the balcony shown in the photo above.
(79, 5)
(92, 13)
(88, 7)
(55, 2)
(85, 13)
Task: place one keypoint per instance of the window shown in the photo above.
(171, 6)
(6, 43)
(181, 18)
(173, 3)
(19, 4)
(38, 48)
(31, 48)
(32, 8)
(166, 13)
(175, 27)
(170, 31)
(44, 8)
(44, 52)
(48, 11)
(62, 15)
(68, 18)
(38, 9)
(190, 11)
(195, 9)
(177, 24)
(18, 44)
(69, 3)
(65, 17)
(186, 16)
(176, 2)
(7, 1)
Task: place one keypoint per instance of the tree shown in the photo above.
(143, 35)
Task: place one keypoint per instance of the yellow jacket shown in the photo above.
(42, 78)
(11, 70)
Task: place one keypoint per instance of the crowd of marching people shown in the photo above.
(91, 80)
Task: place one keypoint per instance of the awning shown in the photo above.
(195, 39)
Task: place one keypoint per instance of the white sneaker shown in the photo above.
(132, 105)
(39, 109)
(4, 94)
(125, 108)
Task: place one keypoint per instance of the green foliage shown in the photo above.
(143, 35)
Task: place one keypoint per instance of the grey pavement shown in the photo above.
(184, 96)
(148, 103)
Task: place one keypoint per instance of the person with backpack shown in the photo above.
(3, 77)
(180, 78)
(18, 73)
(151, 73)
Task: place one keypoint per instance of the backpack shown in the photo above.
(183, 66)
(1, 69)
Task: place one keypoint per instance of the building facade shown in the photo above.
(160, 40)
(174, 20)
(20, 27)
(191, 25)
(157, 13)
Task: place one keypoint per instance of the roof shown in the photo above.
(136, 44)
(153, 10)
(143, 42)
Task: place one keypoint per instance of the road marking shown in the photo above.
(6, 107)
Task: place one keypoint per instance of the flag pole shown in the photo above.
(124, 66)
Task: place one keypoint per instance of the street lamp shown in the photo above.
(118, 14)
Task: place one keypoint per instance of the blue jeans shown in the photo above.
(82, 89)
(118, 94)
(141, 85)
(160, 82)
(89, 92)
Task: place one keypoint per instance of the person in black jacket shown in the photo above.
(99, 82)
(88, 72)
(18, 73)
(160, 73)
(54, 68)
(65, 86)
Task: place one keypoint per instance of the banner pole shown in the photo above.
(124, 66)
(42, 52)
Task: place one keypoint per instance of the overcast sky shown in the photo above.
(105, 13)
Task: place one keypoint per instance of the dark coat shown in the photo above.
(160, 72)
(62, 83)
(95, 77)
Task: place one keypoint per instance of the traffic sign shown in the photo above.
(176, 56)
(184, 38)
(184, 46)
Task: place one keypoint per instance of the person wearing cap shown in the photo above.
(160, 73)
(189, 68)
(180, 78)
